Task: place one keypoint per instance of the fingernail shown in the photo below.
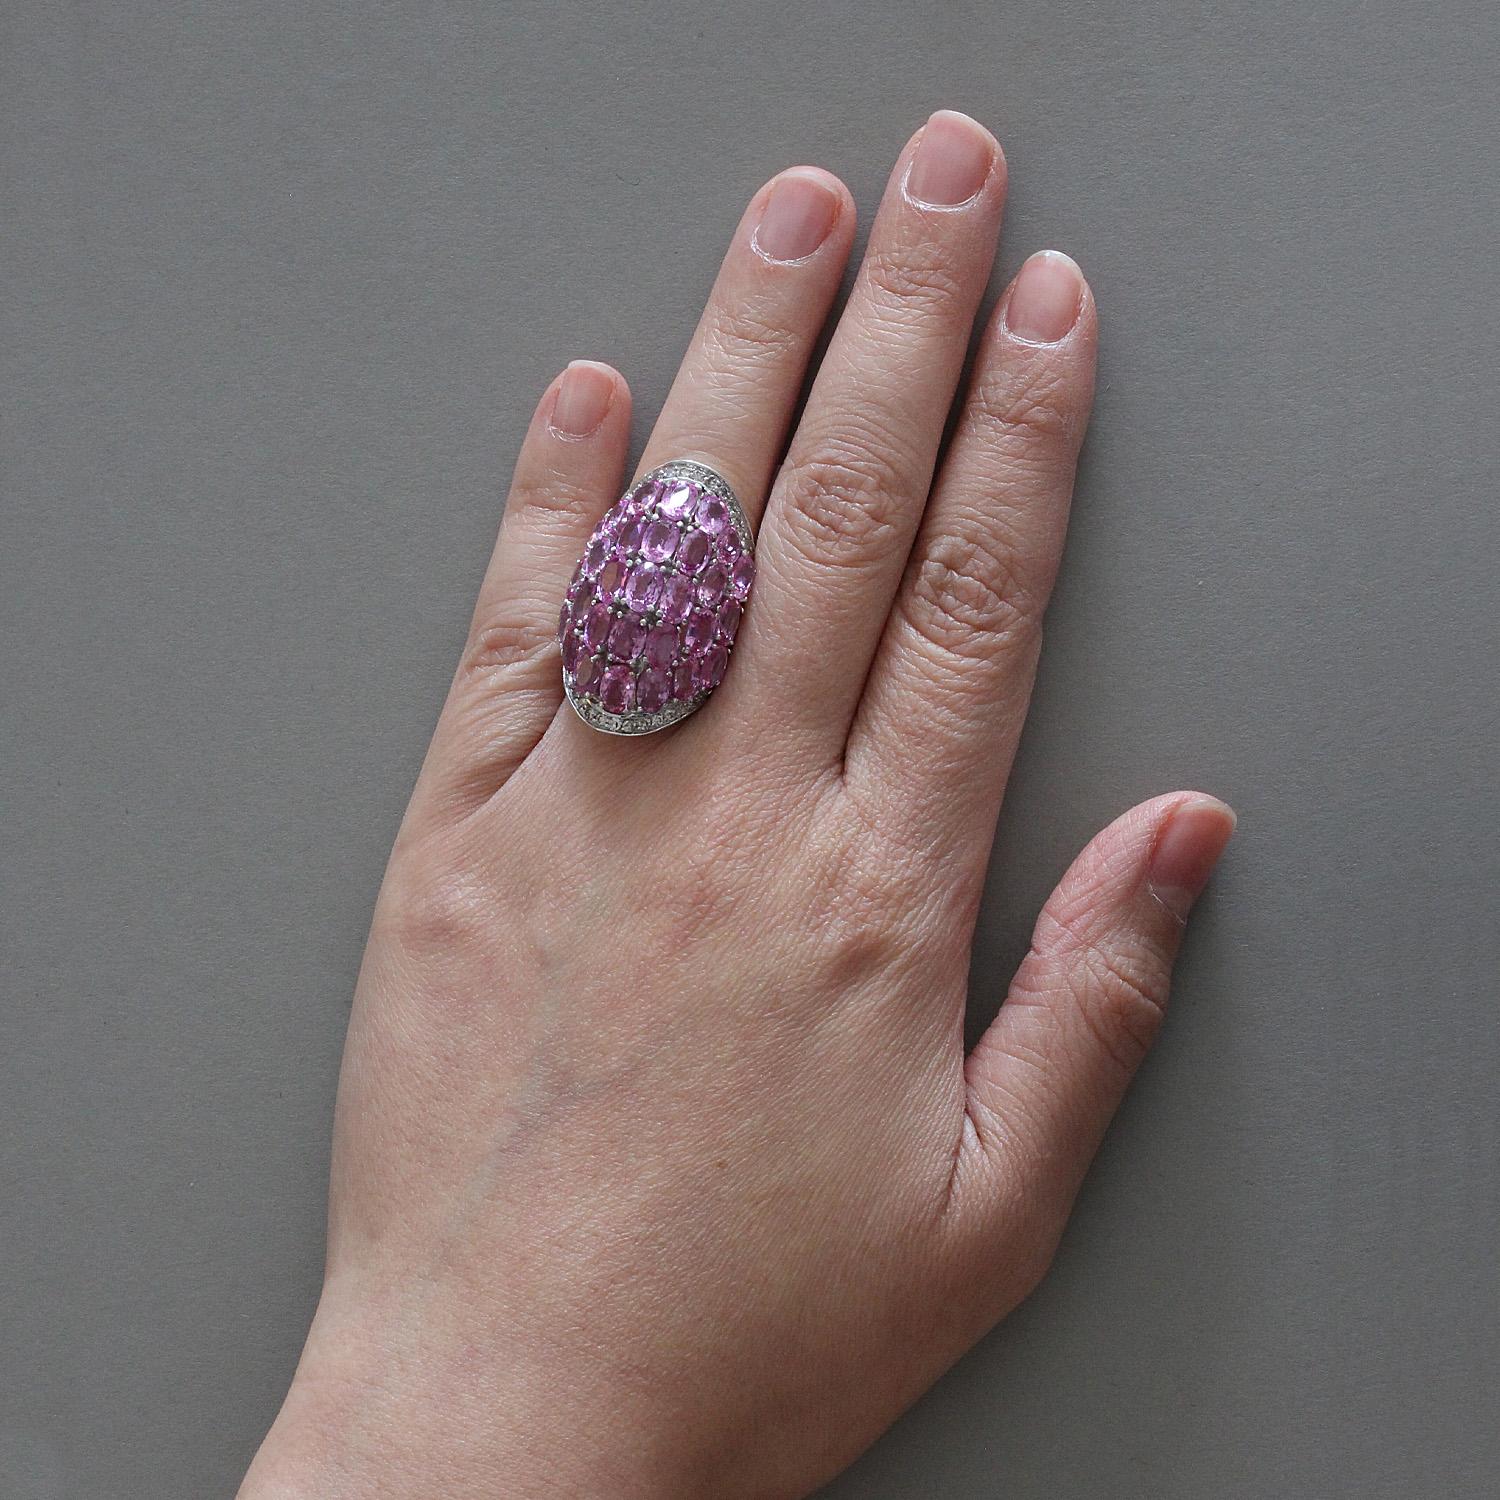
(1046, 299)
(797, 217)
(583, 400)
(1187, 849)
(953, 160)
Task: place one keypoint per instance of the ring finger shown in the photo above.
(735, 392)
(729, 407)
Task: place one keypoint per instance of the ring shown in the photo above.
(656, 601)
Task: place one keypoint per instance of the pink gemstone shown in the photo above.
(626, 637)
(582, 596)
(692, 551)
(682, 681)
(711, 585)
(565, 622)
(586, 675)
(742, 575)
(729, 620)
(631, 534)
(609, 578)
(676, 596)
(597, 554)
(652, 689)
(729, 548)
(708, 671)
(700, 629)
(646, 494)
(617, 689)
(642, 586)
(661, 646)
(596, 626)
(576, 580)
(677, 500)
(659, 541)
(713, 515)
(571, 651)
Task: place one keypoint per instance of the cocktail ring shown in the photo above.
(656, 600)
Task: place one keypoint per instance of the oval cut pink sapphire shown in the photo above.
(626, 637)
(711, 586)
(631, 535)
(609, 578)
(700, 630)
(596, 626)
(659, 541)
(676, 596)
(570, 652)
(652, 690)
(729, 620)
(682, 680)
(692, 551)
(617, 689)
(597, 554)
(713, 515)
(660, 648)
(586, 675)
(708, 671)
(642, 586)
(676, 500)
(565, 622)
(741, 576)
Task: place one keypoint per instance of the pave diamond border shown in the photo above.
(594, 714)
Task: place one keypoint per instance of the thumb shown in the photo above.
(1086, 1003)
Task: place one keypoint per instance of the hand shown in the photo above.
(659, 1166)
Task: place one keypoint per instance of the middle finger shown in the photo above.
(846, 505)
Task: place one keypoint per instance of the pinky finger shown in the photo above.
(508, 683)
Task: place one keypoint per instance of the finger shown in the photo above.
(739, 382)
(508, 683)
(1047, 1076)
(937, 727)
(847, 501)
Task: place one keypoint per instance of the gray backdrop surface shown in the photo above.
(282, 281)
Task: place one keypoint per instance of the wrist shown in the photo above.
(371, 1417)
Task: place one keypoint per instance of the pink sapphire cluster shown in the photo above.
(655, 602)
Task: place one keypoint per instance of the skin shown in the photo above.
(660, 1168)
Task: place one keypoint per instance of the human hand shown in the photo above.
(660, 1169)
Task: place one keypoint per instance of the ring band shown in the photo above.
(656, 600)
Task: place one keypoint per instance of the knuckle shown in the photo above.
(1037, 417)
(885, 901)
(745, 334)
(859, 906)
(967, 597)
(555, 503)
(503, 645)
(436, 910)
(1120, 1002)
(913, 278)
(847, 494)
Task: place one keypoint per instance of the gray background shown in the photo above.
(282, 282)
